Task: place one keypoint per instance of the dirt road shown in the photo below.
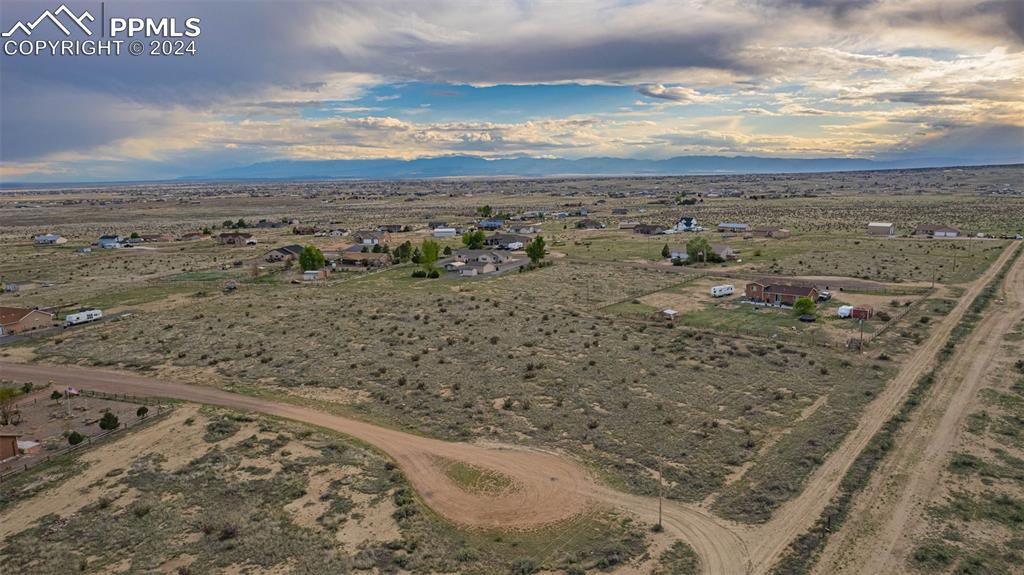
(768, 543)
(550, 487)
(875, 537)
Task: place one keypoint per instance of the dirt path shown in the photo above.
(875, 537)
(769, 542)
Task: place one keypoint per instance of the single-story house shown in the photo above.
(936, 231)
(283, 253)
(236, 239)
(444, 232)
(485, 256)
(191, 236)
(770, 232)
(490, 224)
(528, 229)
(372, 237)
(110, 242)
(777, 294)
(687, 224)
(628, 225)
(507, 241)
(313, 275)
(391, 228)
(737, 228)
(18, 320)
(365, 259)
(723, 251)
(881, 229)
(589, 224)
(338, 232)
(437, 224)
(454, 265)
(648, 229)
(49, 239)
(156, 238)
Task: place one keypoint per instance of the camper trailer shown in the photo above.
(845, 311)
(82, 317)
(723, 290)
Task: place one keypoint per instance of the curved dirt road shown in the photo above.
(875, 538)
(547, 487)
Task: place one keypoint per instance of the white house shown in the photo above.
(687, 224)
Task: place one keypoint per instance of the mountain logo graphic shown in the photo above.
(28, 28)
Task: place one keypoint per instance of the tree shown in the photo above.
(430, 251)
(7, 411)
(665, 252)
(56, 395)
(109, 421)
(135, 235)
(804, 306)
(535, 250)
(403, 252)
(700, 250)
(447, 250)
(474, 240)
(311, 258)
(485, 211)
(417, 255)
(142, 411)
(74, 438)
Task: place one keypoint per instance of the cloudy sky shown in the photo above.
(882, 79)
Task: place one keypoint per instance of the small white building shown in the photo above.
(669, 314)
(49, 239)
(444, 232)
(886, 229)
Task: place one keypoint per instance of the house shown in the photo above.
(157, 237)
(444, 232)
(525, 229)
(628, 225)
(236, 239)
(735, 228)
(473, 269)
(191, 236)
(885, 229)
(306, 230)
(9, 445)
(110, 242)
(491, 224)
(648, 229)
(589, 224)
(723, 251)
(770, 232)
(338, 232)
(18, 320)
(314, 275)
(507, 241)
(454, 265)
(936, 231)
(688, 224)
(365, 259)
(391, 228)
(49, 239)
(481, 256)
(372, 237)
(776, 294)
(283, 253)
(437, 224)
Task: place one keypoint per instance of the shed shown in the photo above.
(881, 229)
(669, 314)
(9, 445)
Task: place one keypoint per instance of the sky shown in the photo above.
(882, 79)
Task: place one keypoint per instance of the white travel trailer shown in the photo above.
(845, 311)
(723, 290)
(82, 317)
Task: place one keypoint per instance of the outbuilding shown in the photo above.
(886, 229)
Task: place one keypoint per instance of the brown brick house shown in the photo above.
(17, 320)
(779, 294)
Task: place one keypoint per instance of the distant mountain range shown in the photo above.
(472, 166)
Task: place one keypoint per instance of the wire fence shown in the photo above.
(161, 412)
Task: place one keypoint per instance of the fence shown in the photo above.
(161, 412)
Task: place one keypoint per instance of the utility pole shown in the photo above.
(661, 490)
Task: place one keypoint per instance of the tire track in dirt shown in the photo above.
(875, 537)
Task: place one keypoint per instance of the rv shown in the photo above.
(82, 317)
(723, 290)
